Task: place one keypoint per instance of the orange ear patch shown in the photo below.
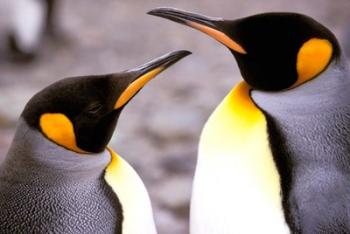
(58, 128)
(313, 57)
(135, 86)
(219, 36)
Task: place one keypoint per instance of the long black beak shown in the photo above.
(141, 75)
(208, 25)
(160, 63)
(184, 17)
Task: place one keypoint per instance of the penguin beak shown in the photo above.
(207, 25)
(146, 72)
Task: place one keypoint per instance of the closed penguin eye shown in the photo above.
(94, 108)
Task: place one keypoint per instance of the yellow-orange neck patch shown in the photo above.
(313, 57)
(219, 36)
(59, 129)
(135, 86)
(235, 123)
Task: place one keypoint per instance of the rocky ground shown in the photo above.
(158, 132)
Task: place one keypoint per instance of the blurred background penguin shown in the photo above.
(31, 22)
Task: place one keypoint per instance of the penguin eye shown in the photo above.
(94, 108)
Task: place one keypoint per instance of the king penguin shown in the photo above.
(59, 176)
(274, 155)
(31, 20)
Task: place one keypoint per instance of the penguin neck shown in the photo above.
(32, 153)
(235, 120)
(325, 93)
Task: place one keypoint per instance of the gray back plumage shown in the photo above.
(45, 188)
(309, 131)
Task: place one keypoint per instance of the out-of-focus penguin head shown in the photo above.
(274, 51)
(81, 113)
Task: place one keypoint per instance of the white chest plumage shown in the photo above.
(237, 186)
(132, 195)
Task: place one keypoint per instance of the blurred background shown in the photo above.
(158, 132)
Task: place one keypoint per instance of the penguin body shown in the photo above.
(273, 157)
(59, 175)
(308, 130)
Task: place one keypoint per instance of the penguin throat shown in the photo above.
(238, 128)
(237, 118)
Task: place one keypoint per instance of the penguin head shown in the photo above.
(81, 113)
(274, 51)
